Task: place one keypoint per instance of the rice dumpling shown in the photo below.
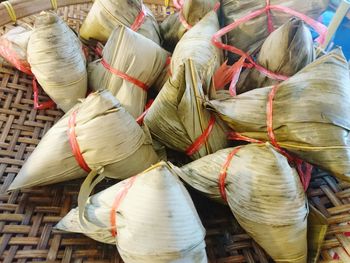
(130, 64)
(308, 114)
(177, 117)
(190, 13)
(150, 217)
(264, 193)
(105, 15)
(96, 133)
(285, 51)
(13, 48)
(57, 60)
(249, 35)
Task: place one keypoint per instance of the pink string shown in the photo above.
(178, 4)
(237, 69)
(270, 26)
(216, 39)
(216, 7)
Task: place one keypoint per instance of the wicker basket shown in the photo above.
(27, 217)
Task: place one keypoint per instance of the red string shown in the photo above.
(140, 119)
(99, 49)
(167, 63)
(222, 76)
(226, 74)
(8, 53)
(40, 106)
(177, 4)
(11, 56)
(239, 137)
(183, 21)
(237, 69)
(202, 138)
(117, 201)
(74, 143)
(304, 169)
(216, 39)
(223, 172)
(139, 20)
(336, 256)
(124, 76)
(216, 7)
(270, 26)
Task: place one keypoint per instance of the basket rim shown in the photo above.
(25, 8)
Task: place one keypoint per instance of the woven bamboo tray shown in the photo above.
(27, 217)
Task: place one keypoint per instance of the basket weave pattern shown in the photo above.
(27, 217)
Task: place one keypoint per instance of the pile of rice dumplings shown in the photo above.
(114, 133)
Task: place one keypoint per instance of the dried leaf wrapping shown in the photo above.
(155, 222)
(177, 116)
(249, 36)
(13, 47)
(57, 60)
(310, 114)
(125, 52)
(264, 194)
(285, 51)
(192, 12)
(107, 136)
(163, 77)
(105, 15)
